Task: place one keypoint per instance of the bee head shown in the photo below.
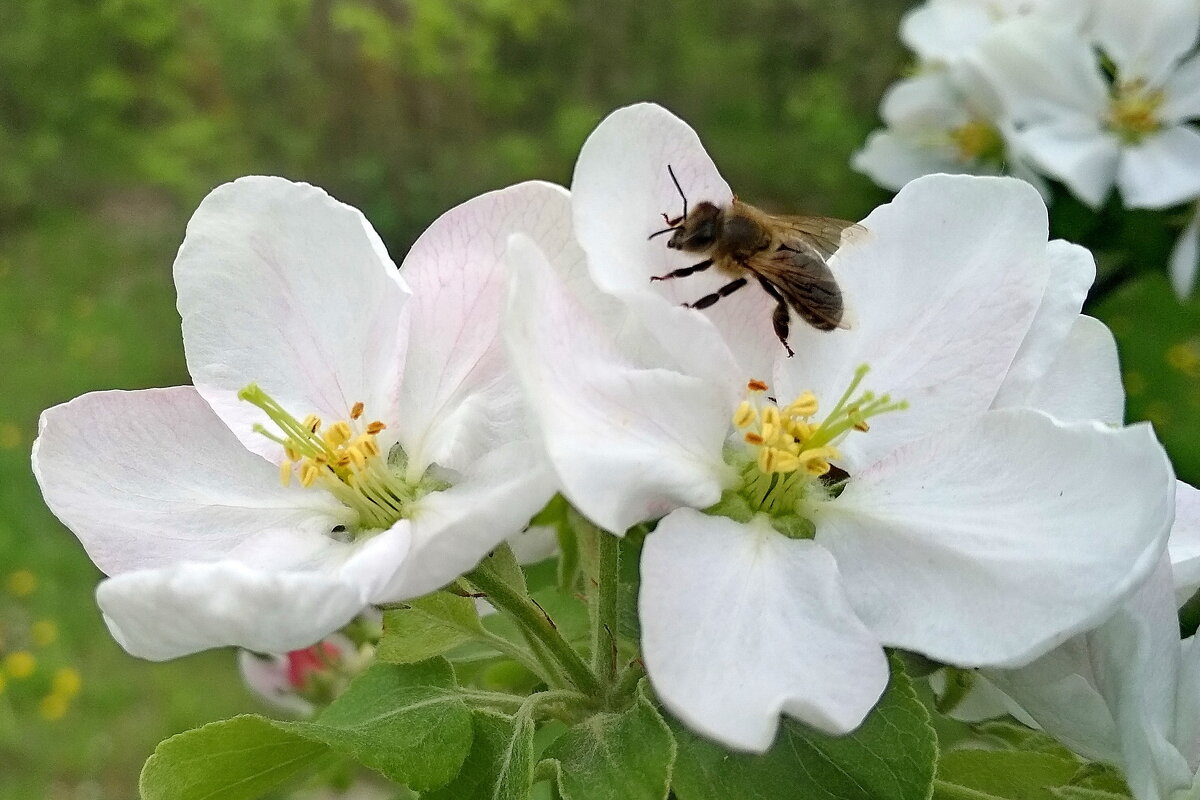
(698, 231)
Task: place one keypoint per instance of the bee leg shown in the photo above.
(724, 291)
(781, 319)
(683, 272)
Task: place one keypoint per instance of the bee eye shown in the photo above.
(702, 237)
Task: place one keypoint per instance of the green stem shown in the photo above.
(536, 626)
(627, 684)
(604, 605)
(509, 703)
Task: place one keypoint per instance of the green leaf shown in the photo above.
(500, 764)
(1007, 774)
(625, 756)
(234, 759)
(1083, 793)
(890, 757)
(1014, 736)
(428, 627)
(406, 721)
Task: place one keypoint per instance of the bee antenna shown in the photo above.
(679, 189)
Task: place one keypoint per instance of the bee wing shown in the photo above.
(825, 234)
(805, 282)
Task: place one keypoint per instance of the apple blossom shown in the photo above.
(946, 31)
(353, 436)
(1090, 131)
(799, 533)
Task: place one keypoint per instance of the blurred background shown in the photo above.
(118, 116)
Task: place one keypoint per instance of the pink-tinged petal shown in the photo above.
(453, 530)
(627, 443)
(942, 290)
(1058, 693)
(458, 399)
(1072, 270)
(149, 478)
(1163, 170)
(1137, 657)
(1016, 58)
(1084, 381)
(158, 614)
(740, 624)
(1076, 151)
(1185, 258)
(620, 190)
(283, 286)
(1181, 92)
(994, 540)
(1184, 545)
(266, 676)
(1145, 41)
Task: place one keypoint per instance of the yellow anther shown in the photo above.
(309, 472)
(343, 460)
(375, 427)
(803, 406)
(799, 429)
(770, 416)
(754, 438)
(369, 446)
(285, 473)
(357, 457)
(861, 425)
(356, 411)
(756, 386)
(817, 467)
(745, 414)
(291, 454)
(338, 433)
(312, 423)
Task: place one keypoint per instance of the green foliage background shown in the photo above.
(117, 116)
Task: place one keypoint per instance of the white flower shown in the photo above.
(974, 536)
(1077, 126)
(946, 31)
(224, 520)
(933, 126)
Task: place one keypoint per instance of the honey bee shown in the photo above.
(785, 254)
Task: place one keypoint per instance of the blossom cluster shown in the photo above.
(947, 472)
(1095, 94)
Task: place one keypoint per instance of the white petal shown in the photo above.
(1137, 657)
(1072, 270)
(1161, 171)
(282, 285)
(942, 291)
(159, 614)
(940, 31)
(1059, 692)
(453, 530)
(924, 103)
(1184, 545)
(1084, 382)
(148, 478)
(1075, 151)
(620, 191)
(1145, 40)
(1182, 92)
(628, 444)
(1185, 258)
(1042, 72)
(740, 623)
(892, 161)
(994, 540)
(457, 398)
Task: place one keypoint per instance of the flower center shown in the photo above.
(977, 140)
(343, 458)
(1133, 111)
(788, 456)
